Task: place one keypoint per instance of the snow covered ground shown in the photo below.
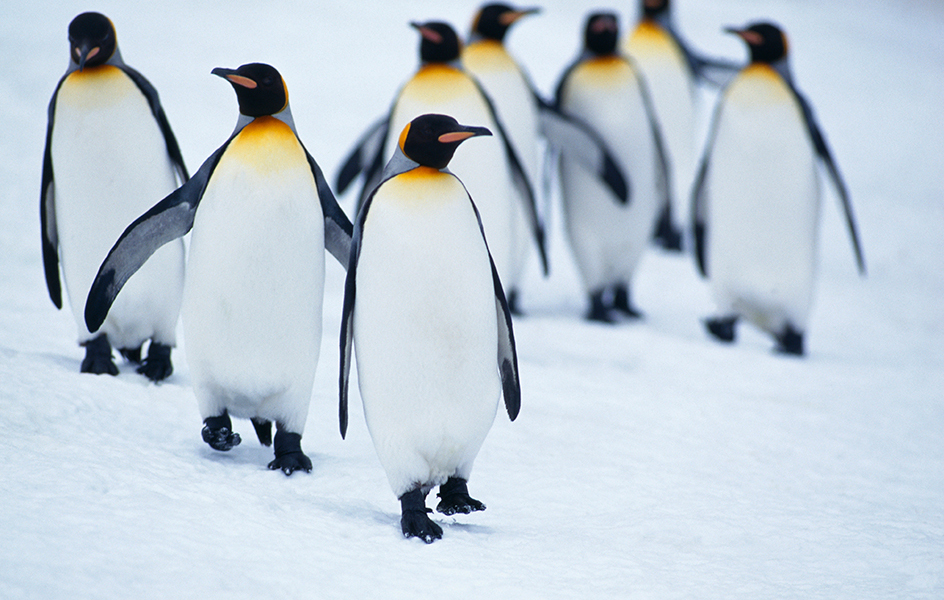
(647, 462)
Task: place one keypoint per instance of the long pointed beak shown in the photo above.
(86, 51)
(463, 133)
(232, 76)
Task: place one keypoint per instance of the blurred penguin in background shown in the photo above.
(109, 153)
(673, 70)
(604, 89)
(756, 198)
(491, 169)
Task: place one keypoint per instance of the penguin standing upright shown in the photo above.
(109, 152)
(515, 103)
(492, 170)
(672, 70)
(255, 275)
(608, 238)
(756, 199)
(426, 316)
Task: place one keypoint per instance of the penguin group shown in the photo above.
(448, 217)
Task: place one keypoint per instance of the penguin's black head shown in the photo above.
(767, 42)
(439, 42)
(92, 39)
(259, 88)
(601, 33)
(654, 8)
(432, 139)
(494, 20)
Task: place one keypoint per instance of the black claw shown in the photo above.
(288, 453)
(790, 341)
(218, 433)
(414, 519)
(722, 328)
(157, 366)
(455, 498)
(98, 359)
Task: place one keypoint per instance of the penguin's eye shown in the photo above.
(266, 81)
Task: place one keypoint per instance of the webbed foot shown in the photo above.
(456, 499)
(157, 365)
(98, 359)
(218, 433)
(288, 453)
(414, 519)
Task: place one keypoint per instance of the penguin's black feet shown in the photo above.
(599, 310)
(132, 355)
(414, 518)
(288, 453)
(513, 303)
(790, 341)
(721, 328)
(667, 234)
(157, 365)
(218, 433)
(456, 499)
(263, 430)
(622, 304)
(98, 360)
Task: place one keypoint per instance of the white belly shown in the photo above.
(480, 163)
(608, 239)
(425, 335)
(673, 97)
(763, 206)
(255, 282)
(110, 165)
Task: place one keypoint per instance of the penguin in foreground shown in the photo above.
(425, 314)
(492, 170)
(255, 276)
(673, 70)
(756, 199)
(109, 151)
(606, 90)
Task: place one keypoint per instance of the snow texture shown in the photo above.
(648, 461)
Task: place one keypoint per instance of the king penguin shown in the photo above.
(492, 170)
(673, 70)
(606, 90)
(255, 275)
(109, 151)
(486, 58)
(756, 198)
(425, 314)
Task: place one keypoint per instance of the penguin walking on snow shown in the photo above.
(756, 198)
(255, 276)
(109, 152)
(673, 70)
(426, 316)
(608, 237)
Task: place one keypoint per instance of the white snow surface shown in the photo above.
(648, 461)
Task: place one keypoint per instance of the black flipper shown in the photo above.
(338, 228)
(699, 210)
(168, 220)
(173, 150)
(822, 149)
(520, 179)
(47, 210)
(582, 143)
(364, 154)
